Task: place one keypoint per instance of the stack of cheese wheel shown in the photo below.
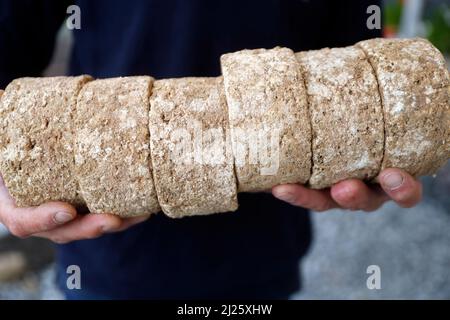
(133, 146)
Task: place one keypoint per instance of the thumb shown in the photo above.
(401, 187)
(23, 222)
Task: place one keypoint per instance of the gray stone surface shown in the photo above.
(33, 286)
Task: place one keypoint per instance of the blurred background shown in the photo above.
(411, 246)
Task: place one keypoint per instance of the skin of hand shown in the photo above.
(394, 184)
(58, 221)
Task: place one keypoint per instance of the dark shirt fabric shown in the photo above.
(251, 253)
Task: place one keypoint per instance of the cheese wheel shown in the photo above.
(112, 151)
(346, 116)
(413, 81)
(268, 112)
(36, 139)
(191, 153)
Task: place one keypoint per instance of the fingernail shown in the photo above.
(63, 217)
(393, 180)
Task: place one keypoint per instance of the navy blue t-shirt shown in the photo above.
(251, 253)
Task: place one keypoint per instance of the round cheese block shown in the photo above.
(112, 150)
(268, 114)
(413, 82)
(346, 115)
(191, 153)
(36, 139)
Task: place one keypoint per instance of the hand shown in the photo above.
(57, 221)
(353, 194)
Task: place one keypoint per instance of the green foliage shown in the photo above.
(392, 13)
(438, 27)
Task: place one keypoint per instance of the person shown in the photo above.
(251, 253)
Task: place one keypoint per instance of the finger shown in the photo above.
(129, 222)
(22, 222)
(354, 194)
(401, 187)
(298, 195)
(89, 226)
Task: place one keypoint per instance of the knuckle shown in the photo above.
(350, 197)
(17, 229)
